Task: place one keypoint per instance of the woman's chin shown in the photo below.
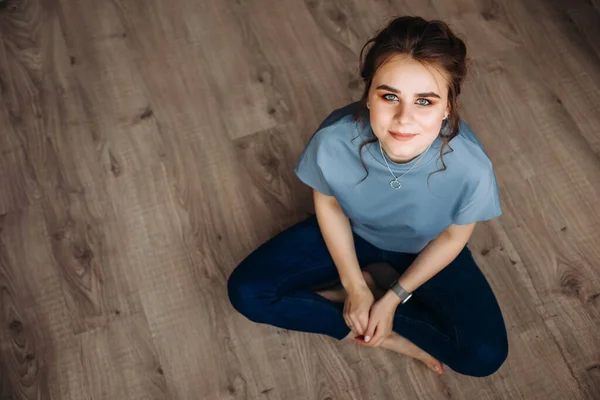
(400, 158)
(399, 155)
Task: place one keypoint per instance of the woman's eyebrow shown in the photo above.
(425, 94)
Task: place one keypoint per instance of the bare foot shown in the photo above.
(338, 294)
(393, 342)
(401, 345)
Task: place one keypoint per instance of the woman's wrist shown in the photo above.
(354, 285)
(392, 298)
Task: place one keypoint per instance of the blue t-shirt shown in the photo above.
(404, 220)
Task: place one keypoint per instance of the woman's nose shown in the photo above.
(402, 115)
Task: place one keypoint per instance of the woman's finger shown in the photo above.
(345, 314)
(380, 336)
(370, 331)
(376, 337)
(348, 322)
(363, 319)
(357, 325)
(352, 322)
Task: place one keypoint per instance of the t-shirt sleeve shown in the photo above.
(483, 202)
(309, 170)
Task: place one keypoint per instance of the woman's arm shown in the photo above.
(336, 230)
(440, 252)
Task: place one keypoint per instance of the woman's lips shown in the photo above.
(401, 137)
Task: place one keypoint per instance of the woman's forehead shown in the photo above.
(411, 76)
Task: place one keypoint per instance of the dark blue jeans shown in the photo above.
(454, 316)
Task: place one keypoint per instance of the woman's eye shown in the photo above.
(393, 97)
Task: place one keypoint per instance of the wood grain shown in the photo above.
(147, 147)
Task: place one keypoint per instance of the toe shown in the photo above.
(436, 366)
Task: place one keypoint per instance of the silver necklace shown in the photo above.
(395, 183)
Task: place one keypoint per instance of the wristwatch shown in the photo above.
(399, 290)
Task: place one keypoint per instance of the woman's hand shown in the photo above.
(356, 308)
(381, 320)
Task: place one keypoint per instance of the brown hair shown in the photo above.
(430, 42)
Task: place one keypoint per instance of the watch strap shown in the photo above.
(400, 291)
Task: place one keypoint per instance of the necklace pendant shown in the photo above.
(395, 184)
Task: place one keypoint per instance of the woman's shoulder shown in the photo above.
(469, 162)
(468, 150)
(479, 192)
(328, 148)
(340, 125)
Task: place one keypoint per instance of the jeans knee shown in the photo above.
(243, 294)
(237, 290)
(487, 358)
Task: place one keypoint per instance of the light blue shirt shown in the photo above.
(404, 220)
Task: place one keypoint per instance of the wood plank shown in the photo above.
(119, 361)
(539, 204)
(147, 147)
(37, 358)
(564, 60)
(585, 18)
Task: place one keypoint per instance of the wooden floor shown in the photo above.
(147, 147)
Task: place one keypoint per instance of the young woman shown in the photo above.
(398, 177)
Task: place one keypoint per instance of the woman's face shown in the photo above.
(407, 97)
